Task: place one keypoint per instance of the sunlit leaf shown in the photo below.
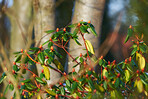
(139, 86)
(46, 72)
(89, 46)
(127, 75)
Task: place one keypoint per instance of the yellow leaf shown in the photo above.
(113, 95)
(141, 62)
(135, 84)
(104, 72)
(39, 96)
(46, 72)
(74, 95)
(58, 65)
(140, 86)
(50, 92)
(146, 93)
(89, 46)
(127, 75)
(101, 88)
(137, 56)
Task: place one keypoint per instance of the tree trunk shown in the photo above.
(20, 15)
(87, 10)
(45, 20)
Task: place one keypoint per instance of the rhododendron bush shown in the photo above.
(127, 78)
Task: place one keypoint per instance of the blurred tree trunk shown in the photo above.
(87, 10)
(20, 15)
(44, 20)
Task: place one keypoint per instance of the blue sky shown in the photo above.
(10, 2)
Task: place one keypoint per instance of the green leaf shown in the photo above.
(41, 75)
(129, 34)
(101, 62)
(73, 25)
(129, 68)
(50, 44)
(6, 89)
(50, 31)
(142, 48)
(68, 83)
(38, 79)
(75, 32)
(92, 29)
(18, 58)
(134, 51)
(105, 85)
(11, 87)
(82, 29)
(126, 39)
(65, 38)
(58, 54)
(62, 91)
(3, 77)
(77, 42)
(117, 82)
(81, 59)
(90, 83)
(41, 58)
(28, 86)
(45, 43)
(74, 86)
(15, 68)
(143, 80)
(25, 81)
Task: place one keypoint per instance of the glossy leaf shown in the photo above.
(41, 57)
(62, 91)
(127, 75)
(46, 72)
(134, 51)
(38, 79)
(77, 42)
(139, 86)
(50, 92)
(105, 85)
(18, 58)
(89, 46)
(92, 29)
(82, 29)
(141, 62)
(68, 83)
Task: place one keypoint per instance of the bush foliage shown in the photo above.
(116, 80)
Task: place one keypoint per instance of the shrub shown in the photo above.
(116, 80)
